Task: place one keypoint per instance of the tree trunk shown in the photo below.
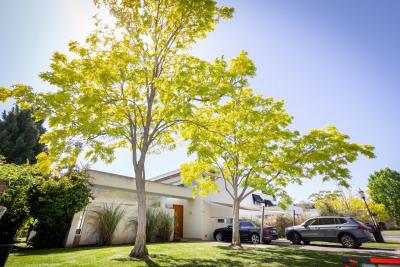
(235, 225)
(140, 249)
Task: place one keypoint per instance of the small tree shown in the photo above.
(248, 144)
(19, 135)
(130, 85)
(384, 188)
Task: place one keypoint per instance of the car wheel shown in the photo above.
(255, 239)
(296, 239)
(306, 242)
(218, 237)
(267, 242)
(348, 241)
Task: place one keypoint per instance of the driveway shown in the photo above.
(329, 248)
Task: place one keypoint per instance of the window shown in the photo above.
(311, 222)
(326, 221)
(245, 224)
(340, 221)
(221, 220)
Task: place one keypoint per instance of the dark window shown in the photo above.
(326, 221)
(246, 224)
(340, 221)
(312, 222)
(221, 220)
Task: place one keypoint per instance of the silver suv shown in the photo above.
(345, 230)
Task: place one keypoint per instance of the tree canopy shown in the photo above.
(19, 135)
(130, 85)
(342, 203)
(384, 188)
(249, 144)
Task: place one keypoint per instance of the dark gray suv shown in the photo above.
(345, 230)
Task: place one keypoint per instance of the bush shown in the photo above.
(107, 219)
(281, 222)
(15, 198)
(53, 202)
(159, 224)
(165, 226)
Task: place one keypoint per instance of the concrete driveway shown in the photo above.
(329, 248)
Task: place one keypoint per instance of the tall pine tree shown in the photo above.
(19, 136)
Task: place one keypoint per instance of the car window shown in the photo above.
(312, 222)
(326, 221)
(340, 221)
(246, 224)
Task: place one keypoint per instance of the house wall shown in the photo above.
(200, 214)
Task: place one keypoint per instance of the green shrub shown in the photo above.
(107, 218)
(159, 224)
(165, 226)
(53, 202)
(20, 179)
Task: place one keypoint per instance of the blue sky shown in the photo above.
(333, 62)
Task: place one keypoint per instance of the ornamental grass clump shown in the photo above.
(107, 218)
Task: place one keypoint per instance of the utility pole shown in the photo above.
(294, 216)
(262, 225)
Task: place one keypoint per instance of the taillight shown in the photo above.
(267, 230)
(361, 228)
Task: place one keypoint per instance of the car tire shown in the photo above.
(306, 242)
(267, 242)
(255, 239)
(218, 237)
(296, 239)
(348, 241)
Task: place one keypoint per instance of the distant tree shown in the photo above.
(384, 188)
(19, 135)
(340, 203)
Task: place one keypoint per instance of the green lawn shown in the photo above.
(176, 254)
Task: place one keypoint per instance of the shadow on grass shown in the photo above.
(45, 251)
(226, 256)
(285, 256)
(166, 260)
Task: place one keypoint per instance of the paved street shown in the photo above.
(391, 235)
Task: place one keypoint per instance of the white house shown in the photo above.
(196, 218)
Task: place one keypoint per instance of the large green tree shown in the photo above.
(249, 144)
(384, 188)
(130, 85)
(19, 135)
